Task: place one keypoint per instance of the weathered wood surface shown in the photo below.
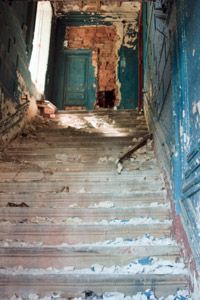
(65, 178)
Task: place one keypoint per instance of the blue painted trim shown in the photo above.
(176, 159)
(180, 102)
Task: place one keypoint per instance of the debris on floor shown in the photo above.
(76, 220)
(106, 159)
(146, 265)
(146, 240)
(46, 108)
(90, 295)
(39, 122)
(22, 204)
(119, 167)
(141, 142)
(102, 204)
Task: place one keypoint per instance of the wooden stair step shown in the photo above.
(87, 214)
(54, 175)
(81, 212)
(90, 177)
(74, 285)
(76, 187)
(81, 256)
(52, 199)
(58, 234)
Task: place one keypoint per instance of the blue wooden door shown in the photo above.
(76, 77)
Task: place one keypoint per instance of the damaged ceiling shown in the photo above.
(99, 6)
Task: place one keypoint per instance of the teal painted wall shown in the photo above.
(172, 103)
(128, 77)
(17, 27)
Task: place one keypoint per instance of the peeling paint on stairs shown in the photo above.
(70, 223)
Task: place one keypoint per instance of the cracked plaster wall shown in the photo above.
(172, 93)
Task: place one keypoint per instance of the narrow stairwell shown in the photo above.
(72, 225)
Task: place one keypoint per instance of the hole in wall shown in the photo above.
(17, 61)
(9, 45)
(106, 99)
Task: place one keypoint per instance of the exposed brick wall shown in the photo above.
(102, 41)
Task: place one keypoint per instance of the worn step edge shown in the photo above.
(141, 196)
(79, 188)
(82, 257)
(111, 175)
(161, 212)
(76, 180)
(70, 286)
(57, 234)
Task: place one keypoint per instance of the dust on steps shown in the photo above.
(84, 226)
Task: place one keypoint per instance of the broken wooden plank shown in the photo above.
(140, 144)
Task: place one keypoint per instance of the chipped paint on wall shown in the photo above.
(130, 38)
(124, 18)
(196, 107)
(176, 116)
(125, 7)
(12, 118)
(14, 115)
(27, 97)
(119, 30)
(17, 92)
(126, 28)
(127, 32)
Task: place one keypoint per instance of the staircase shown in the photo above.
(71, 224)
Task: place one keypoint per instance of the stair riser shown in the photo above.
(73, 166)
(79, 188)
(70, 286)
(54, 234)
(108, 179)
(131, 133)
(86, 215)
(72, 139)
(83, 200)
(88, 161)
(53, 175)
(18, 199)
(44, 258)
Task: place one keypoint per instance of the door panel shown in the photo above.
(76, 78)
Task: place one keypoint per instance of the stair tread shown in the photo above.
(84, 218)
(74, 285)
